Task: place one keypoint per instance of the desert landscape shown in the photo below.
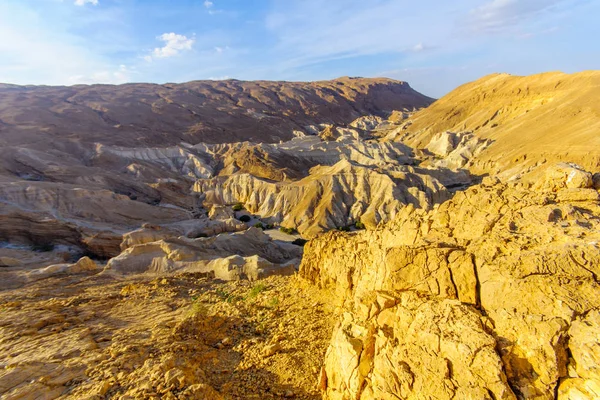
(346, 239)
(299, 199)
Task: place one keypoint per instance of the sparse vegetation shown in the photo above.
(198, 308)
(237, 207)
(289, 231)
(256, 290)
(259, 225)
(228, 297)
(359, 225)
(344, 228)
(274, 302)
(245, 218)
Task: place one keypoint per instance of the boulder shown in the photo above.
(565, 176)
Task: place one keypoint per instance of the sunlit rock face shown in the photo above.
(491, 295)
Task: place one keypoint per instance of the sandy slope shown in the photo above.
(551, 116)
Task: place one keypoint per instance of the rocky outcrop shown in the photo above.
(245, 255)
(410, 346)
(190, 228)
(455, 150)
(85, 264)
(329, 197)
(521, 265)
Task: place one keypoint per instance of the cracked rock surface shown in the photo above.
(506, 273)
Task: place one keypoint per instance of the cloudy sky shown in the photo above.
(435, 45)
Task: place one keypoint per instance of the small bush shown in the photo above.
(274, 302)
(359, 225)
(259, 225)
(198, 308)
(256, 290)
(343, 228)
(300, 242)
(245, 218)
(237, 207)
(269, 226)
(289, 231)
(228, 297)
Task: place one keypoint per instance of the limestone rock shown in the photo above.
(245, 255)
(455, 150)
(84, 265)
(329, 197)
(414, 348)
(527, 259)
(566, 176)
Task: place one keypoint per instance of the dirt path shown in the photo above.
(181, 337)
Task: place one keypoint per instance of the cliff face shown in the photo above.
(432, 296)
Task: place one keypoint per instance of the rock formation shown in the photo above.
(250, 254)
(429, 297)
(112, 158)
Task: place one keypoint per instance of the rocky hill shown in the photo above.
(527, 119)
(143, 115)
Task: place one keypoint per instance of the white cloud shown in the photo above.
(39, 46)
(208, 4)
(83, 2)
(418, 47)
(499, 15)
(305, 36)
(174, 44)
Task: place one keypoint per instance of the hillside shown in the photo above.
(201, 111)
(529, 119)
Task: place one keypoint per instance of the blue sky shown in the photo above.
(434, 45)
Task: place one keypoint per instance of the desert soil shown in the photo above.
(179, 337)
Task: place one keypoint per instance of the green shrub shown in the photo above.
(256, 290)
(237, 207)
(259, 225)
(245, 218)
(359, 225)
(289, 231)
(343, 228)
(274, 302)
(198, 308)
(300, 242)
(269, 226)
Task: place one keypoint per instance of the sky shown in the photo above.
(434, 45)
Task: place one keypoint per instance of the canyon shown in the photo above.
(345, 239)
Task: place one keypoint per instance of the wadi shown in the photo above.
(345, 239)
